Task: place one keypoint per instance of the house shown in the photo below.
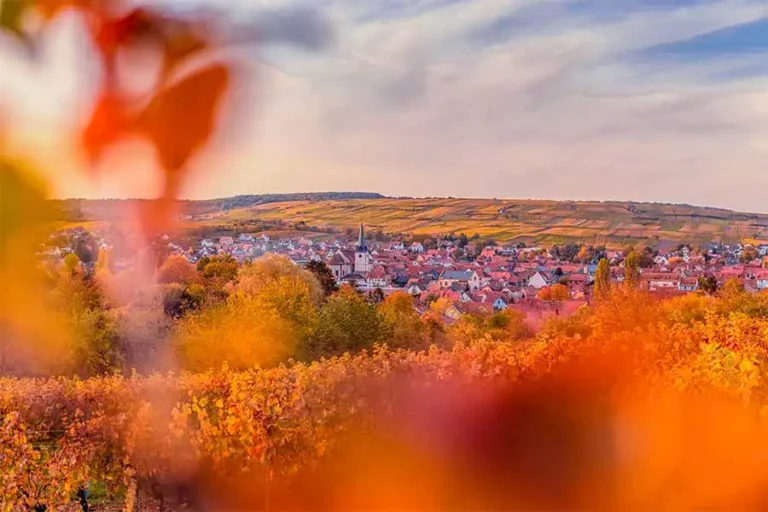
(659, 280)
(378, 277)
(416, 247)
(226, 241)
(342, 263)
(477, 281)
(414, 289)
(690, 284)
(499, 304)
(537, 281)
(761, 280)
(451, 277)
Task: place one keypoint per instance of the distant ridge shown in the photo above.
(611, 222)
(244, 201)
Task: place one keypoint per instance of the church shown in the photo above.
(352, 261)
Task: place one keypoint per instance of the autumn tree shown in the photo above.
(402, 326)
(279, 284)
(95, 344)
(508, 325)
(103, 261)
(376, 296)
(347, 323)
(708, 284)
(176, 269)
(632, 270)
(178, 300)
(585, 254)
(218, 271)
(556, 292)
(602, 284)
(71, 263)
(241, 333)
(324, 275)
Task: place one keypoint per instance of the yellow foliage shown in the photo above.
(243, 333)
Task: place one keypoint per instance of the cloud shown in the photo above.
(301, 26)
(562, 99)
(662, 100)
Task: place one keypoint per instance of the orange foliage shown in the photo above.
(602, 419)
(556, 292)
(176, 269)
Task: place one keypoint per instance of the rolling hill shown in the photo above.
(613, 223)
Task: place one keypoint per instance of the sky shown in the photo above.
(645, 100)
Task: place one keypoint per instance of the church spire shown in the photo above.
(361, 239)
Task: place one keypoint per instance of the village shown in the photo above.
(477, 279)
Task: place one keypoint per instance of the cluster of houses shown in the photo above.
(499, 277)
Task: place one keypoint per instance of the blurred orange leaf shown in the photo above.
(180, 119)
(109, 121)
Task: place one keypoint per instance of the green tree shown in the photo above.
(324, 275)
(602, 279)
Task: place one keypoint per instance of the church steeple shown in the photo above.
(361, 240)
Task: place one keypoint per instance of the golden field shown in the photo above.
(540, 221)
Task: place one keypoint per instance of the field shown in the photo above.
(612, 223)
(539, 221)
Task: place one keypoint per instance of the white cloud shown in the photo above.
(563, 104)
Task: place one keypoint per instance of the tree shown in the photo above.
(291, 291)
(324, 275)
(95, 347)
(347, 323)
(178, 300)
(261, 276)
(377, 296)
(556, 292)
(585, 254)
(83, 249)
(242, 333)
(71, 263)
(708, 284)
(103, 260)
(508, 325)
(632, 270)
(219, 270)
(602, 279)
(176, 269)
(402, 327)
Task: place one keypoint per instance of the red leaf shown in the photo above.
(108, 123)
(180, 119)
